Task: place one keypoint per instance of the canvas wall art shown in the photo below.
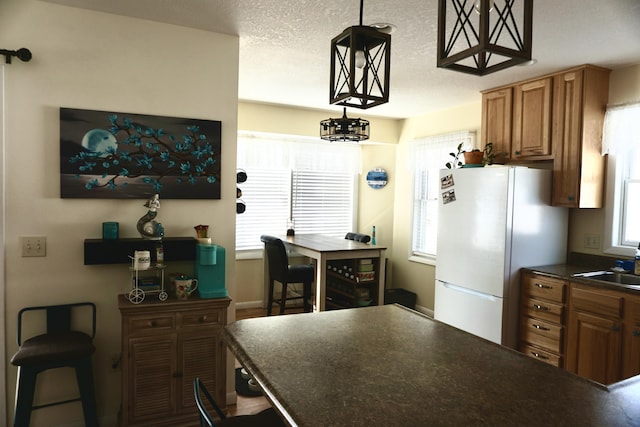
(107, 154)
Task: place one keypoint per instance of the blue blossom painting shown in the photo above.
(120, 155)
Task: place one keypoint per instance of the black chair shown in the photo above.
(59, 347)
(266, 418)
(281, 271)
(358, 237)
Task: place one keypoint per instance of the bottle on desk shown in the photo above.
(373, 235)
(636, 269)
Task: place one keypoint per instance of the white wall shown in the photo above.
(413, 276)
(98, 61)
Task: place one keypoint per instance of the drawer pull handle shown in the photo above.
(539, 356)
(615, 328)
(202, 319)
(636, 333)
(152, 323)
(541, 307)
(542, 328)
(541, 286)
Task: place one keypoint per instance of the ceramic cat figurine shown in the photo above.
(147, 226)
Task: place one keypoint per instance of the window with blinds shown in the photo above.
(313, 183)
(620, 142)
(427, 156)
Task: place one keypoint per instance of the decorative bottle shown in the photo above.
(373, 235)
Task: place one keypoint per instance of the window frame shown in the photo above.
(292, 158)
(620, 143)
(468, 138)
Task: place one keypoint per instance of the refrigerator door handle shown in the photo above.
(470, 291)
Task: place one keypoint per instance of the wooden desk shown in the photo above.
(391, 366)
(323, 249)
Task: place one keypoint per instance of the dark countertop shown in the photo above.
(388, 365)
(566, 271)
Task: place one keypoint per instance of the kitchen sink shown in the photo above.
(611, 277)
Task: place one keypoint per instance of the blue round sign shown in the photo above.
(377, 178)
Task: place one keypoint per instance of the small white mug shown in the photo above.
(141, 260)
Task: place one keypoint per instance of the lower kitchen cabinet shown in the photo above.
(594, 345)
(165, 345)
(542, 320)
(631, 338)
(588, 330)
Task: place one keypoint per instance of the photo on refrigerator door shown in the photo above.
(446, 181)
(448, 196)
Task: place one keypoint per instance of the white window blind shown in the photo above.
(427, 156)
(621, 140)
(315, 183)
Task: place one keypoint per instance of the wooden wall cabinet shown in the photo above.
(532, 120)
(555, 117)
(579, 102)
(165, 345)
(594, 344)
(497, 120)
(543, 316)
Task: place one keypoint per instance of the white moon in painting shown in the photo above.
(99, 141)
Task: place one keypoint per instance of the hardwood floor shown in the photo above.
(251, 405)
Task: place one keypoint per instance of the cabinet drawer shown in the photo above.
(148, 324)
(543, 309)
(544, 287)
(597, 303)
(201, 318)
(541, 333)
(542, 355)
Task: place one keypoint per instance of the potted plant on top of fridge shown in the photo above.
(475, 157)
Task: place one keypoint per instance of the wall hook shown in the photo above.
(23, 54)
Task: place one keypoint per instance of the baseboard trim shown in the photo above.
(249, 304)
(424, 310)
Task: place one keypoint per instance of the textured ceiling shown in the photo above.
(285, 44)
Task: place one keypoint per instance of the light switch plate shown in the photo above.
(34, 246)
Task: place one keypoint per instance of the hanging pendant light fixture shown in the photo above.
(360, 64)
(344, 129)
(483, 36)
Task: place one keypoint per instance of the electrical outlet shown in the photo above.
(592, 241)
(34, 246)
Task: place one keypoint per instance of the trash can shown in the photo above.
(400, 296)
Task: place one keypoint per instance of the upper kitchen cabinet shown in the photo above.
(532, 120)
(496, 120)
(579, 102)
(555, 117)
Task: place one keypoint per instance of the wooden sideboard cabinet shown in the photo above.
(543, 317)
(594, 345)
(579, 100)
(165, 345)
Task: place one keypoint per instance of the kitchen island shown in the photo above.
(388, 365)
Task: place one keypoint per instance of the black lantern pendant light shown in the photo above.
(344, 129)
(483, 36)
(360, 64)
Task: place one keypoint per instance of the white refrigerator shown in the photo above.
(492, 221)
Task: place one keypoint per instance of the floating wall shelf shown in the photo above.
(118, 251)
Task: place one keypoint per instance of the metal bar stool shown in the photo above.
(59, 347)
(281, 271)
